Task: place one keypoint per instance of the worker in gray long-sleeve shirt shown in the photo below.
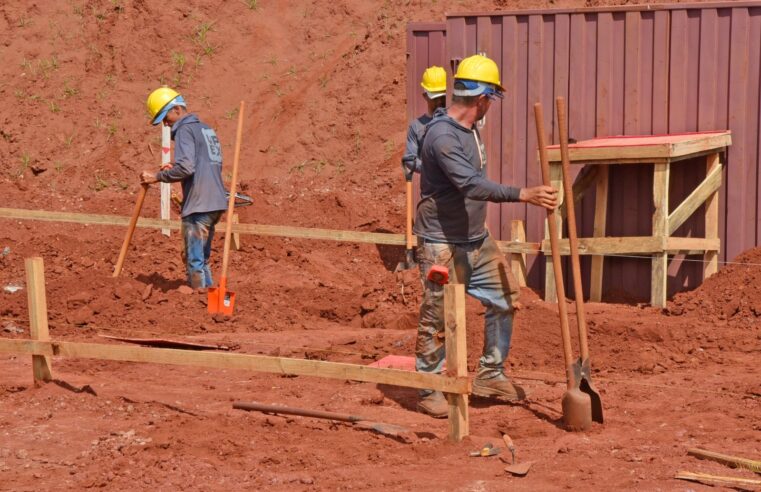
(450, 225)
(434, 84)
(198, 166)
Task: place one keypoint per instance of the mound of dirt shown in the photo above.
(732, 294)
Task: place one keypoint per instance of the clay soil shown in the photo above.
(324, 81)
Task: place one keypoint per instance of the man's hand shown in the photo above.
(542, 196)
(147, 177)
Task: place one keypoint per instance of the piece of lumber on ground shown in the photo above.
(725, 459)
(260, 363)
(733, 482)
(166, 343)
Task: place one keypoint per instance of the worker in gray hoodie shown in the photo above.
(450, 225)
(434, 84)
(198, 166)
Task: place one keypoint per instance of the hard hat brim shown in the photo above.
(177, 101)
(435, 95)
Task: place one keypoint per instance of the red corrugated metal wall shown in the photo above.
(425, 47)
(626, 71)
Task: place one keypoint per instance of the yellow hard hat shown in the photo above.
(479, 69)
(159, 102)
(434, 81)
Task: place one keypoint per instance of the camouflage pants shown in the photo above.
(198, 232)
(482, 268)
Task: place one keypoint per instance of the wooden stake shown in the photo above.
(601, 214)
(556, 181)
(518, 260)
(457, 358)
(236, 235)
(659, 269)
(38, 317)
(130, 230)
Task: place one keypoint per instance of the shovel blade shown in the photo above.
(408, 263)
(577, 410)
(595, 401)
(220, 301)
(521, 469)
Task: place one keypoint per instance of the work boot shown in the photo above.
(499, 387)
(434, 404)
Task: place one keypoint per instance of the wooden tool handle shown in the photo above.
(130, 229)
(563, 310)
(260, 407)
(581, 318)
(231, 200)
(410, 237)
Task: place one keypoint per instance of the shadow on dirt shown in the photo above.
(160, 282)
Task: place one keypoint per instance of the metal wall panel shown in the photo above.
(626, 71)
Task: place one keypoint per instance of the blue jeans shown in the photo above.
(198, 232)
(482, 268)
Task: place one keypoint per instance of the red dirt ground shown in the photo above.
(324, 83)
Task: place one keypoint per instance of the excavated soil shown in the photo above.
(324, 85)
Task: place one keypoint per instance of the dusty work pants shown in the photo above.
(198, 232)
(482, 268)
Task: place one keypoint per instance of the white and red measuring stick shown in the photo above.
(166, 189)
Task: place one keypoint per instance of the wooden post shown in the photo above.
(601, 213)
(518, 260)
(556, 180)
(711, 258)
(236, 235)
(659, 269)
(38, 316)
(457, 357)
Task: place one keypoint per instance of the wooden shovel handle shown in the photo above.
(410, 237)
(581, 318)
(130, 229)
(559, 287)
(231, 200)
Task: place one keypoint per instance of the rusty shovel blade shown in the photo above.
(577, 405)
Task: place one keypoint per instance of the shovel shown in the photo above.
(409, 259)
(130, 229)
(221, 300)
(391, 430)
(517, 469)
(577, 407)
(582, 366)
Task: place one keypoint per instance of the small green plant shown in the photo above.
(299, 168)
(111, 79)
(26, 64)
(357, 142)
(231, 114)
(388, 147)
(24, 21)
(58, 166)
(273, 60)
(26, 160)
(120, 184)
(291, 71)
(324, 80)
(98, 123)
(320, 165)
(100, 183)
(79, 10)
(118, 7)
(198, 60)
(54, 107)
(340, 167)
(69, 140)
(19, 94)
(47, 65)
(111, 130)
(252, 4)
(278, 91)
(179, 61)
(68, 90)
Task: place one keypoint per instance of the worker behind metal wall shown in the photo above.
(434, 84)
(198, 166)
(450, 225)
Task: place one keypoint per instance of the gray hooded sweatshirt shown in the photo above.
(198, 164)
(453, 186)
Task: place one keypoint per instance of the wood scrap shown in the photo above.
(725, 459)
(175, 344)
(738, 483)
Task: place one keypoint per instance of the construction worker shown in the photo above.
(434, 84)
(198, 166)
(450, 225)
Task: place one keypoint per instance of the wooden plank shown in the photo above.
(692, 244)
(725, 459)
(587, 176)
(556, 181)
(610, 245)
(694, 200)
(601, 214)
(457, 358)
(732, 482)
(220, 360)
(38, 316)
(711, 258)
(659, 268)
(518, 260)
(236, 235)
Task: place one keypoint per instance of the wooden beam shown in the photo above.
(587, 176)
(610, 245)
(601, 214)
(457, 358)
(711, 258)
(38, 317)
(659, 268)
(725, 459)
(691, 245)
(704, 190)
(252, 229)
(518, 260)
(731, 482)
(218, 360)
